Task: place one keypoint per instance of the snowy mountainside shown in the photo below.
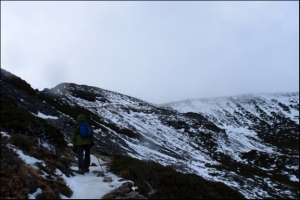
(262, 131)
(262, 114)
(223, 108)
(248, 142)
(218, 139)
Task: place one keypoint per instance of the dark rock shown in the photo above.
(107, 179)
(109, 196)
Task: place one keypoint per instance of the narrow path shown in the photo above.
(89, 186)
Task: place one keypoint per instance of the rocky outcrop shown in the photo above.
(126, 191)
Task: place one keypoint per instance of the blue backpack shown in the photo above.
(84, 130)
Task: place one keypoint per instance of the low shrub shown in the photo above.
(19, 179)
(158, 181)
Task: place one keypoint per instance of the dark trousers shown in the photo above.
(84, 162)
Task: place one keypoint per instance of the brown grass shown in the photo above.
(19, 179)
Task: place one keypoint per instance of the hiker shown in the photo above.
(83, 144)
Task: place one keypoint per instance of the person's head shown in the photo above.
(81, 118)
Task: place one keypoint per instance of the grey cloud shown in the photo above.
(156, 51)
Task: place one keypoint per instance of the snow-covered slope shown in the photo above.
(260, 116)
(266, 126)
(218, 139)
(221, 110)
(249, 142)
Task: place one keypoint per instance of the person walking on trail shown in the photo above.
(83, 140)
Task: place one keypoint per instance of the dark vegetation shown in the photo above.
(18, 120)
(16, 82)
(257, 161)
(156, 181)
(19, 179)
(283, 133)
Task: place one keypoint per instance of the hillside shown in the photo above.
(226, 147)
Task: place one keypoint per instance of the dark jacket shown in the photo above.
(76, 138)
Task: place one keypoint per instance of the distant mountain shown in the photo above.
(270, 117)
(248, 142)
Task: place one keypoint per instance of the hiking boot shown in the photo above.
(87, 170)
(80, 171)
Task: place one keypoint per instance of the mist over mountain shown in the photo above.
(248, 142)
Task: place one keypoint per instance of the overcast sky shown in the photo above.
(156, 51)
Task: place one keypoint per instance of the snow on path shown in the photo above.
(89, 186)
